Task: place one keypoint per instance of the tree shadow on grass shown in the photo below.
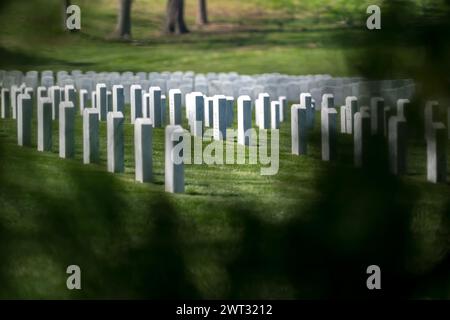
(23, 61)
(124, 250)
(362, 217)
(406, 24)
(260, 37)
(120, 261)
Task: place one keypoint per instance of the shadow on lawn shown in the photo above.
(114, 262)
(119, 256)
(362, 217)
(259, 37)
(10, 59)
(405, 24)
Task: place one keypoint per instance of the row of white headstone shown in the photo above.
(217, 111)
(91, 116)
(364, 122)
(361, 122)
(230, 84)
(146, 113)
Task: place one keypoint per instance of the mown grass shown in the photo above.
(240, 36)
(251, 37)
(308, 232)
(224, 238)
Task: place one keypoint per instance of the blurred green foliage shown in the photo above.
(308, 232)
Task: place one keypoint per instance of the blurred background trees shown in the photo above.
(65, 5)
(310, 232)
(175, 17)
(202, 13)
(123, 30)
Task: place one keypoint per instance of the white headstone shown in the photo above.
(299, 129)
(306, 101)
(54, 92)
(66, 129)
(83, 100)
(351, 104)
(101, 100)
(126, 90)
(94, 99)
(283, 106)
(387, 113)
(24, 118)
(257, 111)
(41, 93)
(275, 114)
(136, 102)
(327, 101)
(198, 115)
(244, 120)
(163, 110)
(109, 101)
(377, 115)
(343, 116)
(402, 107)
(264, 118)
(209, 111)
(230, 111)
(44, 123)
(6, 103)
(174, 166)
(437, 153)
(47, 81)
(118, 98)
(220, 121)
(15, 91)
(189, 107)
(328, 128)
(431, 114)
(155, 106)
(175, 106)
(143, 149)
(115, 147)
(91, 135)
(397, 136)
(362, 133)
(145, 105)
(70, 93)
(30, 92)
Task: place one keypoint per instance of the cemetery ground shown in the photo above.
(250, 37)
(310, 231)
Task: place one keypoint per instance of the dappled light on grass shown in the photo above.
(310, 231)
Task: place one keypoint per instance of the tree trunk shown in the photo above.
(202, 14)
(65, 5)
(175, 17)
(123, 30)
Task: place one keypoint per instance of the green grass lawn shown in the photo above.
(308, 232)
(233, 234)
(250, 37)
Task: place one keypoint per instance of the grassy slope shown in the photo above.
(133, 240)
(234, 233)
(299, 37)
